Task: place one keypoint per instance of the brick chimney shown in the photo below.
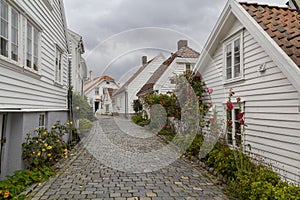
(144, 60)
(182, 43)
(91, 75)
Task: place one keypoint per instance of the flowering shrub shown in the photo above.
(46, 147)
(13, 185)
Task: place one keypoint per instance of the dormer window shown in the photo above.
(233, 66)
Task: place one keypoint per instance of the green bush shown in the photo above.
(247, 180)
(15, 184)
(139, 120)
(81, 107)
(45, 147)
(85, 124)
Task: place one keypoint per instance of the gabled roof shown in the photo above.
(122, 89)
(272, 36)
(88, 85)
(281, 23)
(184, 52)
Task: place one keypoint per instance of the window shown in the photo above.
(42, 119)
(187, 67)
(233, 64)
(234, 132)
(58, 70)
(97, 91)
(4, 28)
(14, 34)
(32, 40)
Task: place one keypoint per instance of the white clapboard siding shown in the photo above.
(271, 105)
(163, 84)
(22, 89)
(140, 81)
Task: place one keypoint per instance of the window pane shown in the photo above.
(4, 47)
(4, 10)
(14, 35)
(237, 58)
(29, 46)
(228, 62)
(4, 28)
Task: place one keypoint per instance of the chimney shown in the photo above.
(182, 43)
(91, 75)
(144, 60)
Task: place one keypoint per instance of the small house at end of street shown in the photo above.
(99, 93)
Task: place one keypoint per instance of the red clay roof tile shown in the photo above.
(281, 23)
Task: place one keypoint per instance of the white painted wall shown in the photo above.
(271, 106)
(136, 85)
(92, 98)
(177, 67)
(24, 89)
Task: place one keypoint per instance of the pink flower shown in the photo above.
(229, 123)
(242, 122)
(162, 102)
(209, 90)
(229, 105)
(212, 120)
(164, 127)
(238, 99)
(198, 97)
(209, 104)
(240, 115)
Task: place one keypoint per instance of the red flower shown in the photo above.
(197, 78)
(209, 104)
(209, 90)
(198, 97)
(164, 127)
(240, 115)
(162, 102)
(212, 120)
(229, 123)
(238, 99)
(229, 105)
(242, 122)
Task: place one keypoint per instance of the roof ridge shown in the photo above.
(267, 5)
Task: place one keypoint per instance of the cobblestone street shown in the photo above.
(118, 161)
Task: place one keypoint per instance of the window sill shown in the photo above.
(233, 81)
(14, 66)
(57, 84)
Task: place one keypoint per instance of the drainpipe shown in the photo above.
(126, 102)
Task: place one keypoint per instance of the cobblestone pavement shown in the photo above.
(89, 175)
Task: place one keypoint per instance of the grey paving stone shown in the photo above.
(87, 177)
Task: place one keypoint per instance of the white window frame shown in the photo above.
(58, 59)
(231, 41)
(42, 120)
(235, 121)
(34, 47)
(9, 43)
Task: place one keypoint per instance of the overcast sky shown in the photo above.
(116, 33)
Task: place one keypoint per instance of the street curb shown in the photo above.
(61, 167)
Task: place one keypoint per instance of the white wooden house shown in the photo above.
(125, 96)
(162, 80)
(33, 73)
(98, 91)
(78, 66)
(254, 49)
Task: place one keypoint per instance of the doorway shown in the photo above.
(2, 137)
(96, 106)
